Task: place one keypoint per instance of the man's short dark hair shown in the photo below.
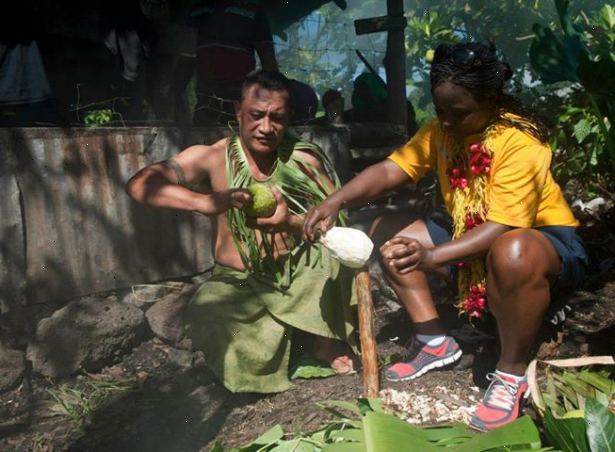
(270, 80)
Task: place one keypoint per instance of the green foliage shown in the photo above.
(299, 182)
(582, 57)
(576, 414)
(432, 22)
(600, 423)
(592, 431)
(80, 404)
(602, 33)
(311, 368)
(98, 118)
(365, 427)
(566, 434)
(578, 143)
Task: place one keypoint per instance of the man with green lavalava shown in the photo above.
(267, 284)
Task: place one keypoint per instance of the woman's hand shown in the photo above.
(320, 219)
(406, 255)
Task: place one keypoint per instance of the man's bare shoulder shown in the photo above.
(202, 153)
(309, 157)
(200, 160)
(203, 150)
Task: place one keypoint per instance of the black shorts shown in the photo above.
(564, 239)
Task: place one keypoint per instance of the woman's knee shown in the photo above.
(521, 255)
(417, 230)
(388, 226)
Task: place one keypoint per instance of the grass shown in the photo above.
(79, 404)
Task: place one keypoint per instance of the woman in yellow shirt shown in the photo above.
(513, 243)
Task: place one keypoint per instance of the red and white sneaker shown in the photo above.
(501, 403)
(425, 359)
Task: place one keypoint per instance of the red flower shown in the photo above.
(476, 147)
(475, 304)
(472, 221)
(480, 163)
(457, 178)
(480, 159)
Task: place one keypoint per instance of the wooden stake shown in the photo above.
(369, 353)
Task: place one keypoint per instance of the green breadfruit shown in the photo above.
(263, 203)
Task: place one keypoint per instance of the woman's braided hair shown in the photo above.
(476, 67)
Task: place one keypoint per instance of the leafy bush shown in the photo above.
(98, 118)
(577, 406)
(582, 55)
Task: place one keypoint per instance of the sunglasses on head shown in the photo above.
(464, 58)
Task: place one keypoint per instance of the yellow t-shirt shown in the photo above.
(521, 190)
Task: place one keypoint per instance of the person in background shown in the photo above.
(229, 33)
(333, 103)
(513, 247)
(305, 102)
(26, 97)
(369, 98)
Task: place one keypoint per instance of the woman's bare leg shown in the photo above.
(412, 289)
(521, 265)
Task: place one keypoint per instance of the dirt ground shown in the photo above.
(174, 404)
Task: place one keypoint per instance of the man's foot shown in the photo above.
(425, 359)
(333, 353)
(501, 403)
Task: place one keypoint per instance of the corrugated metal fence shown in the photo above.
(68, 229)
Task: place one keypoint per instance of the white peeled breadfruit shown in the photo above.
(351, 247)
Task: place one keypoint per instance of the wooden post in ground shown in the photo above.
(369, 352)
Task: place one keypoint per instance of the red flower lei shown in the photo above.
(462, 172)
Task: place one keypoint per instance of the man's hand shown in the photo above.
(405, 255)
(280, 221)
(227, 199)
(320, 219)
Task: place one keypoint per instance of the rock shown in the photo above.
(12, 367)
(165, 316)
(211, 398)
(89, 333)
(144, 295)
(182, 358)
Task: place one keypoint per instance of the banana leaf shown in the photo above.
(601, 382)
(384, 432)
(521, 433)
(566, 434)
(332, 404)
(372, 430)
(265, 441)
(600, 427)
(550, 398)
(295, 445)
